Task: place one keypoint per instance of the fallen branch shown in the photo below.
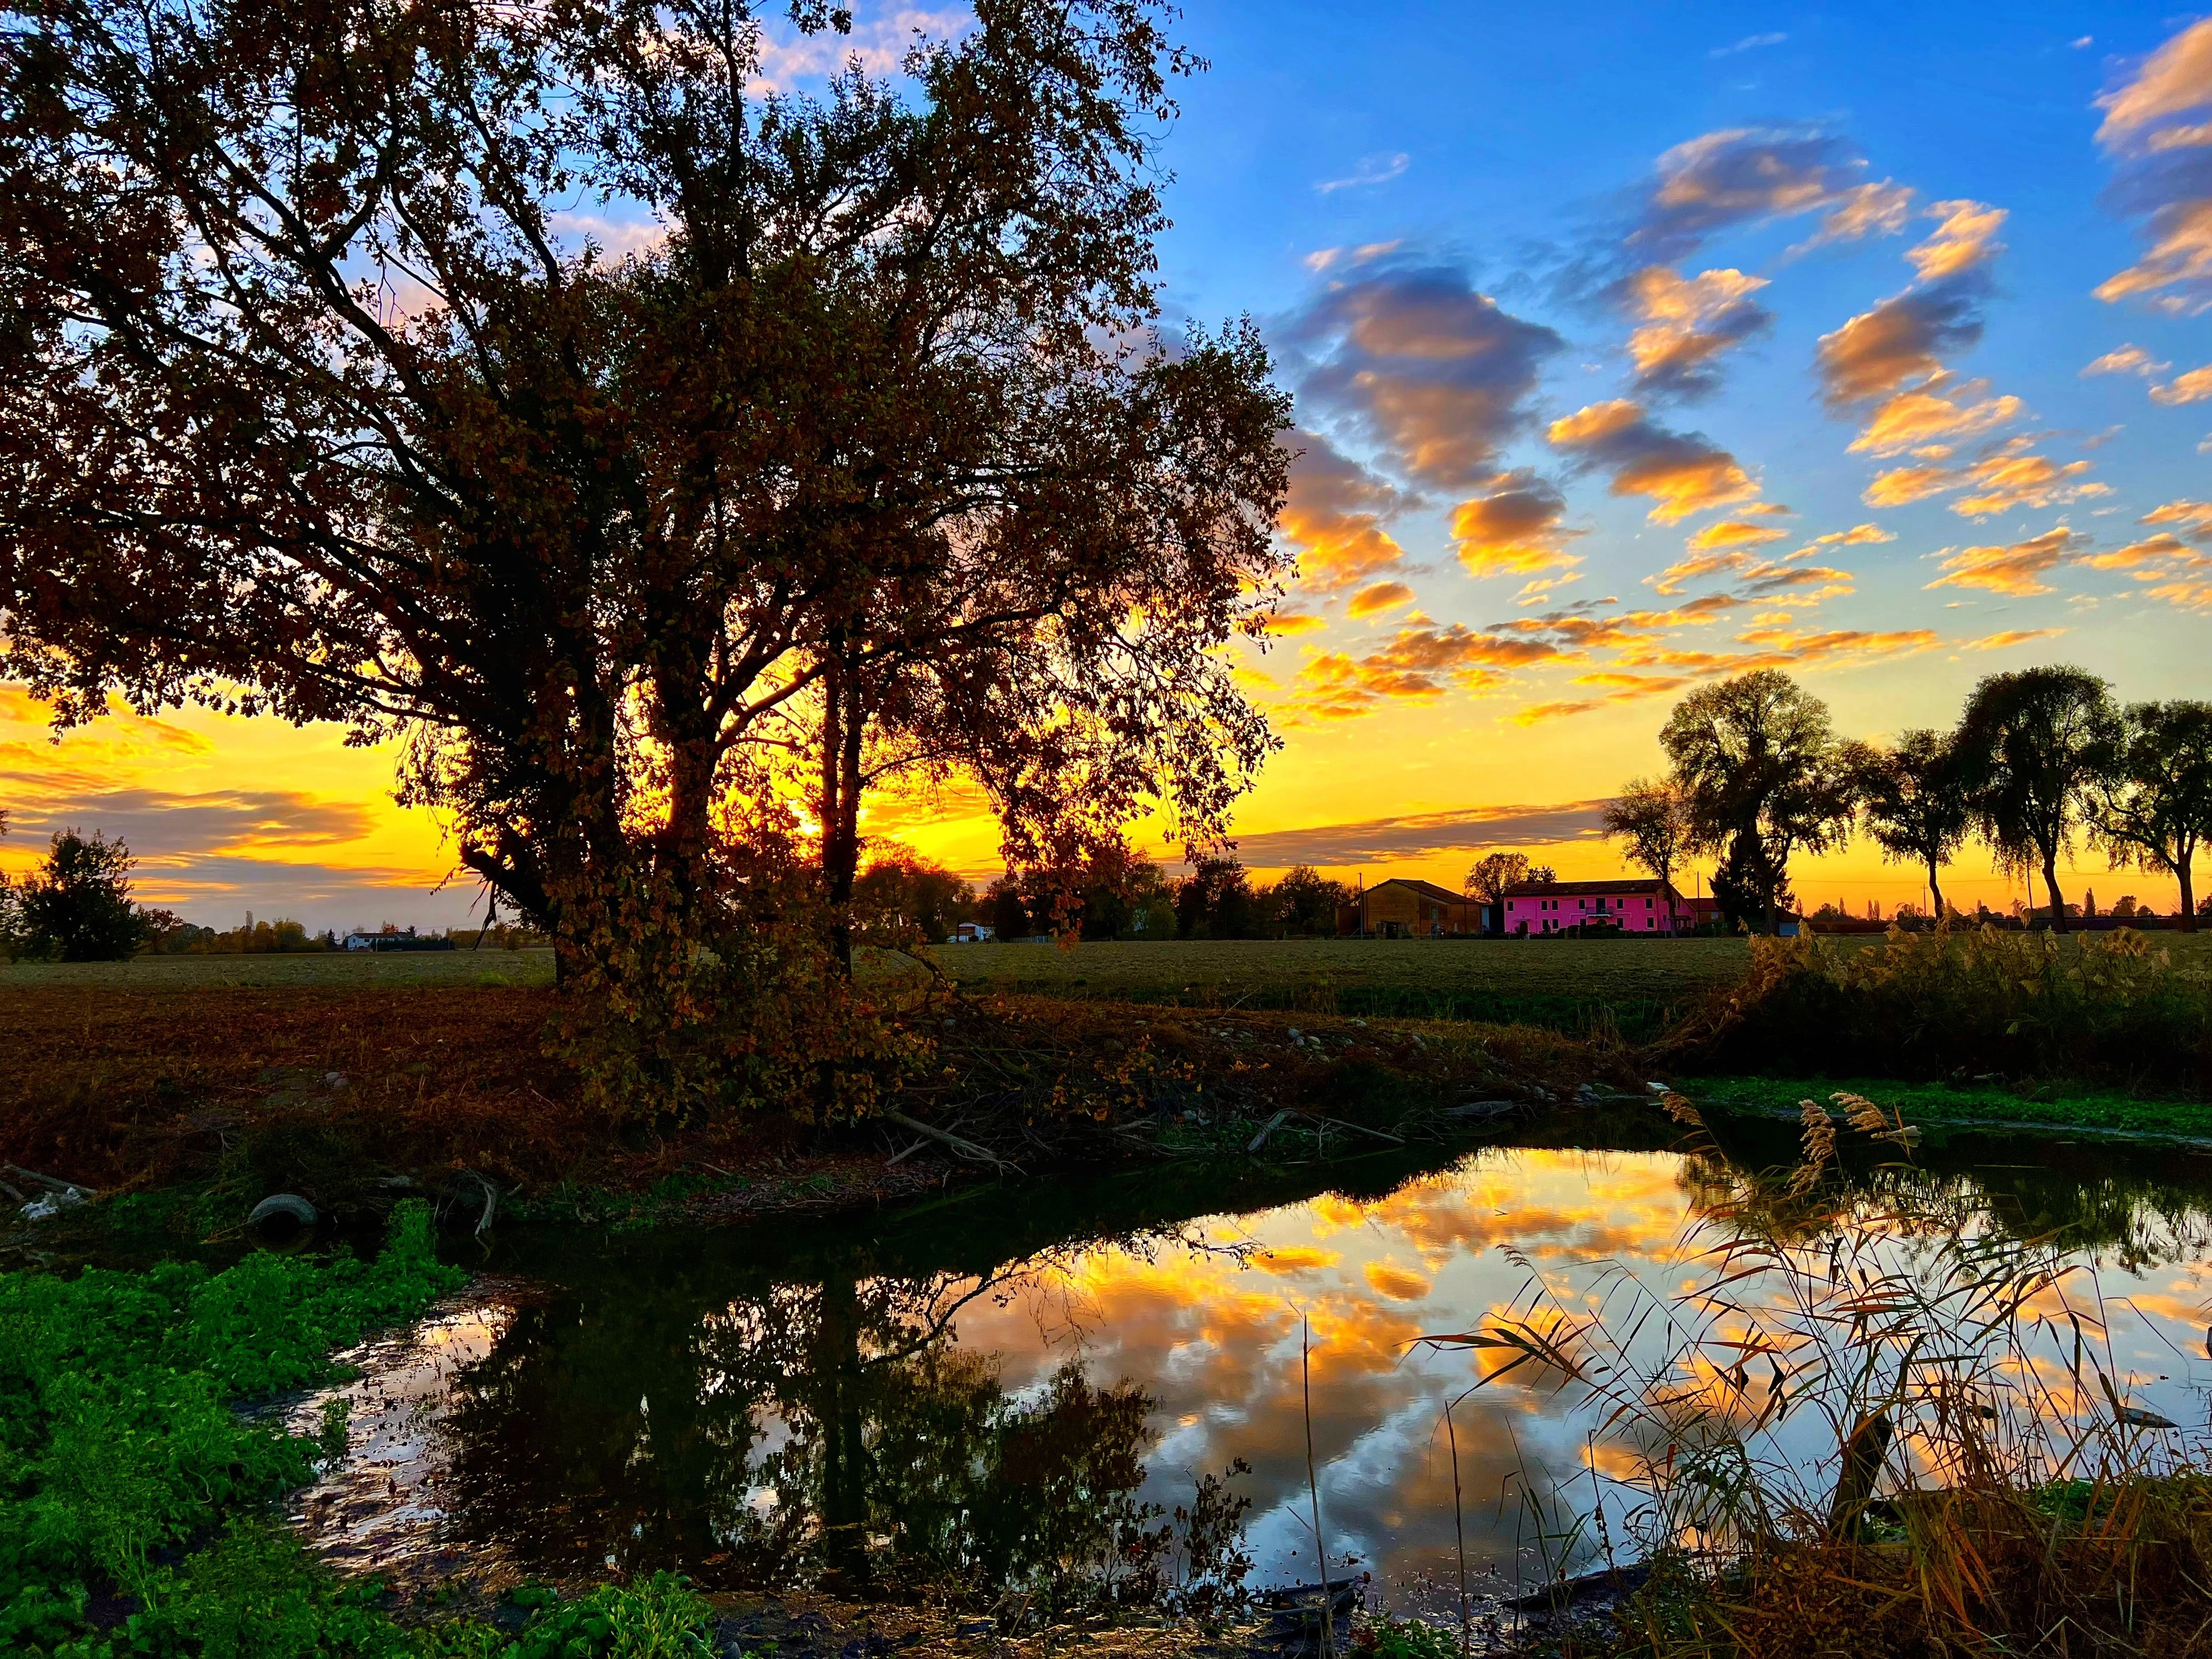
(967, 1149)
(51, 1182)
(1267, 1129)
(1361, 1128)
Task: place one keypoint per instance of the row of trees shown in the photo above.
(2040, 762)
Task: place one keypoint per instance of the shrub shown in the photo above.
(1923, 1005)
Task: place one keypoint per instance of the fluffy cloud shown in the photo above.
(2158, 126)
(2194, 387)
(1288, 623)
(2195, 518)
(1754, 579)
(2013, 477)
(1925, 415)
(1434, 371)
(1418, 664)
(1374, 600)
(1859, 535)
(1902, 340)
(1735, 532)
(1777, 648)
(1966, 238)
(1684, 324)
(1335, 515)
(1513, 528)
(2017, 570)
(2128, 360)
(1681, 471)
(1868, 209)
(1741, 175)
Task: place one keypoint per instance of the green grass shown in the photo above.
(1934, 1103)
(1564, 984)
(312, 970)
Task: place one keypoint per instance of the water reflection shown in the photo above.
(963, 1402)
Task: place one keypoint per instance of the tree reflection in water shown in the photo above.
(826, 1431)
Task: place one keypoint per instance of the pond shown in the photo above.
(1122, 1381)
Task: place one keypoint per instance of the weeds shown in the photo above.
(1977, 1002)
(1870, 1425)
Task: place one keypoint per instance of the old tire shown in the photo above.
(281, 1221)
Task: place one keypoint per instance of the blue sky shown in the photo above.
(1632, 346)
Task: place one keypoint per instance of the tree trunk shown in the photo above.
(2051, 886)
(843, 726)
(2188, 890)
(1935, 890)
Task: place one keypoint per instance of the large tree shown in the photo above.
(2153, 807)
(309, 409)
(1488, 881)
(2032, 746)
(1757, 760)
(1652, 817)
(1915, 800)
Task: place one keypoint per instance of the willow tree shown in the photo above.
(315, 404)
(1916, 804)
(1757, 762)
(2032, 746)
(2153, 805)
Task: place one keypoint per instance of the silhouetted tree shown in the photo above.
(1304, 901)
(1010, 917)
(872, 447)
(2032, 746)
(1215, 901)
(1652, 816)
(901, 895)
(2153, 806)
(1493, 873)
(76, 907)
(1757, 762)
(1914, 799)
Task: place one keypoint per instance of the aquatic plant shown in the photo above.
(1863, 1415)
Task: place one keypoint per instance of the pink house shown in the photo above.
(1637, 905)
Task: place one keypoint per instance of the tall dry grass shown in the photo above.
(2111, 1007)
(1868, 1425)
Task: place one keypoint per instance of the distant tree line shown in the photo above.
(2040, 763)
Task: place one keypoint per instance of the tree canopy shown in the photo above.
(867, 461)
(2153, 806)
(1652, 818)
(1915, 800)
(1757, 762)
(2032, 745)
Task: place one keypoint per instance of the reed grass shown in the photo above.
(1870, 1425)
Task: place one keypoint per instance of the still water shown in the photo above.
(1031, 1380)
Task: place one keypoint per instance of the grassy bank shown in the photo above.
(1934, 1105)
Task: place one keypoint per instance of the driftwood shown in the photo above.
(1267, 1129)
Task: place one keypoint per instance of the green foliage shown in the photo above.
(78, 907)
(2018, 1004)
(118, 1445)
(1407, 1638)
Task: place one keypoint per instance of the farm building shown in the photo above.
(1636, 904)
(1403, 907)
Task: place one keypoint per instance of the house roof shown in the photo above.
(1427, 890)
(1589, 889)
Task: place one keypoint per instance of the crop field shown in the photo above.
(1565, 984)
(307, 970)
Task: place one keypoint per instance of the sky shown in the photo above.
(1632, 346)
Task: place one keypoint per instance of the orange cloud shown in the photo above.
(1997, 483)
(1334, 518)
(1399, 1284)
(1904, 484)
(1687, 323)
(1735, 532)
(1374, 600)
(1858, 535)
(2011, 637)
(1924, 416)
(1436, 372)
(2194, 387)
(2195, 518)
(1514, 528)
(1286, 623)
(1966, 238)
(1902, 340)
(2016, 568)
(1868, 209)
(1682, 472)
(1419, 665)
(2127, 360)
(2148, 122)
